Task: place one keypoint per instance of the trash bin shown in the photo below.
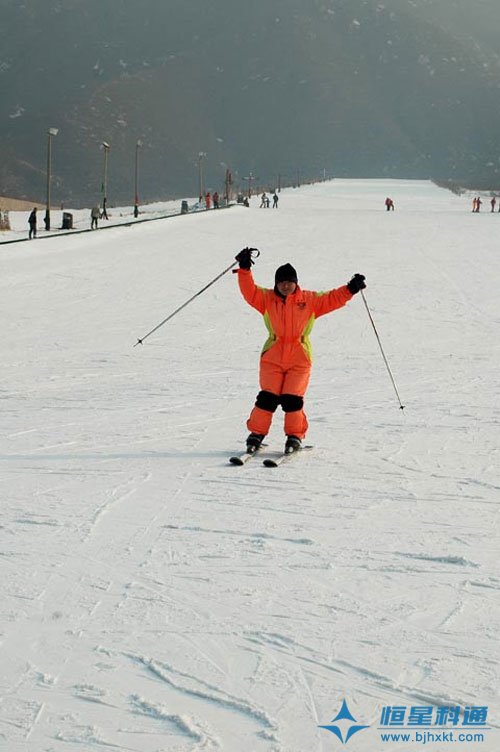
(184, 207)
(67, 221)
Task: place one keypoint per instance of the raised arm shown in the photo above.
(325, 302)
(255, 296)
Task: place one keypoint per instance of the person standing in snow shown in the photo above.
(263, 201)
(275, 200)
(32, 220)
(208, 200)
(493, 203)
(104, 213)
(94, 217)
(216, 200)
(285, 365)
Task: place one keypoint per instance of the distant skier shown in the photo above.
(285, 364)
(263, 199)
(94, 217)
(32, 220)
(208, 200)
(389, 204)
(216, 200)
(493, 203)
(275, 200)
(104, 213)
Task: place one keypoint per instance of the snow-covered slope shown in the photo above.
(155, 598)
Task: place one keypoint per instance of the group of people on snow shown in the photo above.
(212, 199)
(33, 222)
(477, 203)
(265, 201)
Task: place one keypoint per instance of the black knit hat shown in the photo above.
(285, 273)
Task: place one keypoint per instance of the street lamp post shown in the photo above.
(250, 178)
(136, 190)
(50, 133)
(228, 183)
(201, 157)
(106, 148)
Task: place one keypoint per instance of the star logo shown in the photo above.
(344, 714)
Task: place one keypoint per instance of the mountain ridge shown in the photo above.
(352, 89)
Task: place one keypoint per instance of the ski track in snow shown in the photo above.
(156, 598)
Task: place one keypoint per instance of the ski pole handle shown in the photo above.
(254, 253)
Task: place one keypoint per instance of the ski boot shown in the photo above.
(254, 440)
(293, 444)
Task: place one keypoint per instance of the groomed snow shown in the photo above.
(156, 599)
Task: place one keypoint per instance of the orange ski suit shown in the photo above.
(286, 360)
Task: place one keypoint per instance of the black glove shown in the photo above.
(245, 258)
(356, 284)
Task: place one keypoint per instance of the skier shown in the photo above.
(493, 203)
(32, 219)
(208, 200)
(285, 366)
(94, 217)
(275, 200)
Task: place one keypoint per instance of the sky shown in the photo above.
(155, 598)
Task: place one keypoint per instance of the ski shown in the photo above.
(241, 459)
(285, 456)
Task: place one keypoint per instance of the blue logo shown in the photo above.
(344, 714)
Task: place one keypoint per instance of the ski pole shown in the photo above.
(401, 406)
(171, 316)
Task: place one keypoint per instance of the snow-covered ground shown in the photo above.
(155, 598)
